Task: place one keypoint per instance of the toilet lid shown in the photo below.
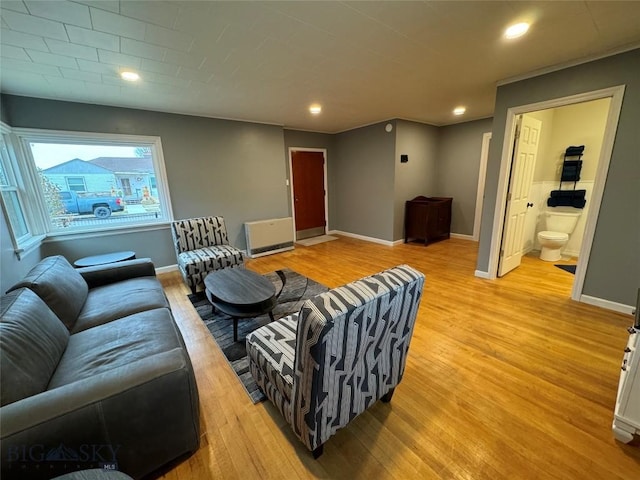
(553, 235)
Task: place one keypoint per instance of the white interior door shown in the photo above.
(524, 162)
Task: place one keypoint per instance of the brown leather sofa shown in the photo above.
(94, 373)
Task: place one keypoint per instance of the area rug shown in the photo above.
(307, 242)
(568, 268)
(293, 290)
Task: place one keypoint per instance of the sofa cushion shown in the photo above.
(272, 348)
(195, 233)
(119, 343)
(61, 287)
(32, 341)
(117, 300)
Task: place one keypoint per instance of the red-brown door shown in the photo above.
(307, 170)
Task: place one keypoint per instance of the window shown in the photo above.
(76, 184)
(83, 182)
(12, 198)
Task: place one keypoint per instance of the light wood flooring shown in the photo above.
(506, 379)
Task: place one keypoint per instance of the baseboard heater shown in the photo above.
(266, 237)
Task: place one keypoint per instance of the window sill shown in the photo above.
(60, 236)
(29, 246)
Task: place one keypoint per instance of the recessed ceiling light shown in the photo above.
(517, 30)
(130, 76)
(459, 110)
(315, 109)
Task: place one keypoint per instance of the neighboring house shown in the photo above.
(80, 176)
(132, 175)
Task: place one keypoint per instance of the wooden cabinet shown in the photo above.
(427, 219)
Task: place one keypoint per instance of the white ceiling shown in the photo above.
(364, 62)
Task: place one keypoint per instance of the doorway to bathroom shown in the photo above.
(588, 119)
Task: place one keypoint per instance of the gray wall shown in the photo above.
(458, 168)
(419, 176)
(362, 182)
(614, 265)
(13, 269)
(298, 138)
(221, 167)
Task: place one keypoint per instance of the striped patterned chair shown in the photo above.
(343, 351)
(202, 246)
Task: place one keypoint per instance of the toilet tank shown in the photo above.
(564, 220)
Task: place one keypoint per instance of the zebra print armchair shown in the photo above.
(343, 351)
(202, 246)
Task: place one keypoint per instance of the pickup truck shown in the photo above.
(84, 203)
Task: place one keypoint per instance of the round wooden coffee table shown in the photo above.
(240, 293)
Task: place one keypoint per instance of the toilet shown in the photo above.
(560, 223)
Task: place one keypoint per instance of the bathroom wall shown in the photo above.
(579, 124)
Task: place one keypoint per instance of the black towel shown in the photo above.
(573, 150)
(567, 198)
(571, 170)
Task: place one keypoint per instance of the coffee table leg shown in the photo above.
(235, 329)
(271, 317)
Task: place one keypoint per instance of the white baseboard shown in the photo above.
(462, 236)
(481, 274)
(609, 305)
(167, 269)
(365, 238)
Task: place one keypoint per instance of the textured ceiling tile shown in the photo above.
(91, 38)
(34, 25)
(161, 13)
(10, 65)
(61, 11)
(158, 67)
(168, 38)
(9, 51)
(25, 40)
(142, 49)
(193, 74)
(96, 67)
(114, 58)
(72, 50)
(117, 24)
(166, 80)
(16, 6)
(184, 59)
(52, 59)
(109, 5)
(81, 75)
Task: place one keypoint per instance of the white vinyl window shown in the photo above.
(88, 182)
(12, 195)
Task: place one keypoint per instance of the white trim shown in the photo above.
(616, 94)
(326, 185)
(608, 304)
(39, 208)
(598, 190)
(481, 274)
(482, 173)
(365, 238)
(462, 236)
(167, 269)
(122, 230)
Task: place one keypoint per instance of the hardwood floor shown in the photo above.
(505, 379)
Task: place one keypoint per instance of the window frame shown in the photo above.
(22, 244)
(36, 207)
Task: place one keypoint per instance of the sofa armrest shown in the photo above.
(140, 416)
(116, 272)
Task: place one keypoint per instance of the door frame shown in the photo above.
(482, 174)
(326, 186)
(616, 94)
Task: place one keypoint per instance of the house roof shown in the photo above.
(75, 167)
(364, 62)
(125, 164)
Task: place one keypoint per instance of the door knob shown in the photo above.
(529, 205)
